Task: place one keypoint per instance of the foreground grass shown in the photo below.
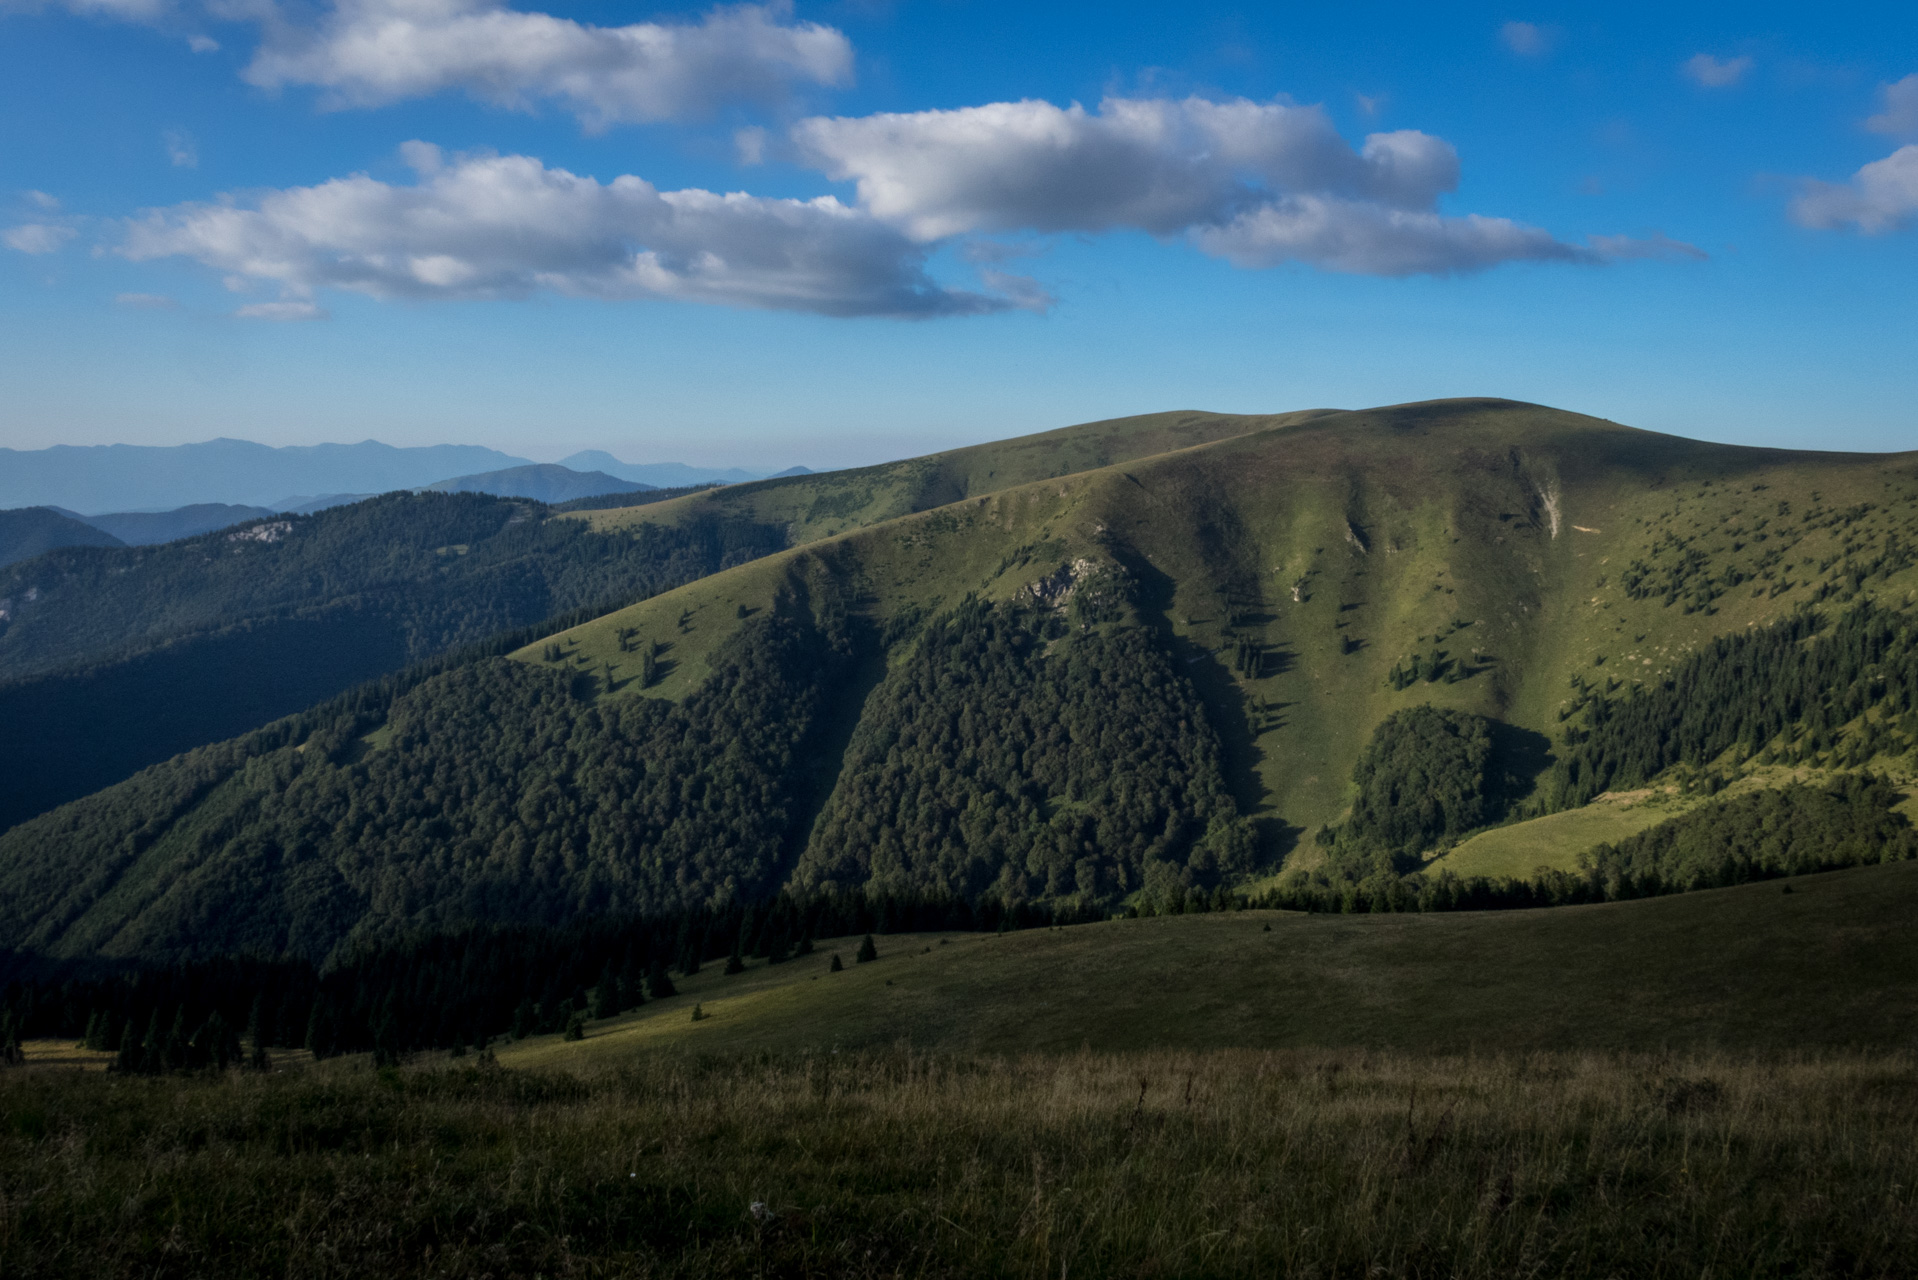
(890, 1163)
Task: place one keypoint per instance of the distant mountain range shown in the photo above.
(670, 475)
(123, 478)
(146, 528)
(36, 530)
(547, 482)
(126, 477)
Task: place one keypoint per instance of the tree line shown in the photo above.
(449, 990)
(1782, 693)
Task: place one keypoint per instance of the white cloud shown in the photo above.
(290, 312)
(1717, 73)
(1527, 39)
(1900, 116)
(1153, 164)
(181, 149)
(371, 52)
(36, 237)
(147, 302)
(1367, 238)
(44, 201)
(1881, 197)
(484, 226)
(203, 44)
(1255, 183)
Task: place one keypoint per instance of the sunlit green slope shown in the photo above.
(1515, 546)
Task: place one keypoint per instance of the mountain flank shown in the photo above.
(1200, 665)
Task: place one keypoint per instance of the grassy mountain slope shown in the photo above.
(1520, 546)
(1833, 964)
(817, 506)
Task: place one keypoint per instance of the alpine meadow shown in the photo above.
(616, 660)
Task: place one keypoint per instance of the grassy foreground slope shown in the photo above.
(1831, 964)
(1523, 551)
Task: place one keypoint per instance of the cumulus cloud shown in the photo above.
(1527, 39)
(1153, 164)
(1717, 73)
(1900, 116)
(36, 237)
(1881, 197)
(371, 52)
(1255, 183)
(485, 226)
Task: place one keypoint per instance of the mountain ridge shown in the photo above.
(1267, 581)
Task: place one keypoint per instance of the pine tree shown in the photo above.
(836, 965)
(867, 951)
(177, 1055)
(606, 995)
(129, 1059)
(576, 1027)
(152, 1061)
(736, 963)
(660, 983)
(524, 1019)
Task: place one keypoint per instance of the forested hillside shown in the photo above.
(1328, 646)
(497, 791)
(116, 658)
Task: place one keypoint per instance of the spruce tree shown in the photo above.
(129, 1059)
(606, 995)
(576, 1027)
(736, 963)
(152, 1061)
(836, 965)
(177, 1055)
(867, 951)
(660, 983)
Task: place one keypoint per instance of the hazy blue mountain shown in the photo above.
(124, 477)
(667, 475)
(546, 482)
(30, 531)
(145, 528)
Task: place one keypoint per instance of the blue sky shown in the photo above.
(835, 233)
